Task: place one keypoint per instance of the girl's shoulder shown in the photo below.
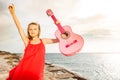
(44, 40)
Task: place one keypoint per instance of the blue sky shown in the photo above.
(96, 20)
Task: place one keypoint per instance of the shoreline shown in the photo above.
(51, 72)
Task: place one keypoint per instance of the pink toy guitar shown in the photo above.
(69, 42)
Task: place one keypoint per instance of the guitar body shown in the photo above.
(70, 45)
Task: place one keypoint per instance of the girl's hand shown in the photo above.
(11, 8)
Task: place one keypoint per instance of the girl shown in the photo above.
(31, 66)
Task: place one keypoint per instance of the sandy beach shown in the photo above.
(52, 72)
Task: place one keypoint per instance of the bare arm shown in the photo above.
(22, 34)
(49, 41)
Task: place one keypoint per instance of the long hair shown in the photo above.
(33, 23)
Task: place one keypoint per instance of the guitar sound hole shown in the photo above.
(65, 35)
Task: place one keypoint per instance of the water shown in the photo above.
(92, 66)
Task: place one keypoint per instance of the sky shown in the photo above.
(97, 21)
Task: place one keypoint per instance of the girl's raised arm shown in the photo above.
(21, 31)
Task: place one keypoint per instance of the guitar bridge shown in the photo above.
(68, 45)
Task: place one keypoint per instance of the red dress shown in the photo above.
(31, 67)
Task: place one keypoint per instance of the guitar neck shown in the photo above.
(58, 24)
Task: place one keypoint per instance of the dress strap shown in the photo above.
(29, 41)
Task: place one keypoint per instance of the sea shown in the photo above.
(92, 66)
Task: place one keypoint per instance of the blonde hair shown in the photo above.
(33, 23)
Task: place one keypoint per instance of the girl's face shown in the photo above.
(33, 31)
